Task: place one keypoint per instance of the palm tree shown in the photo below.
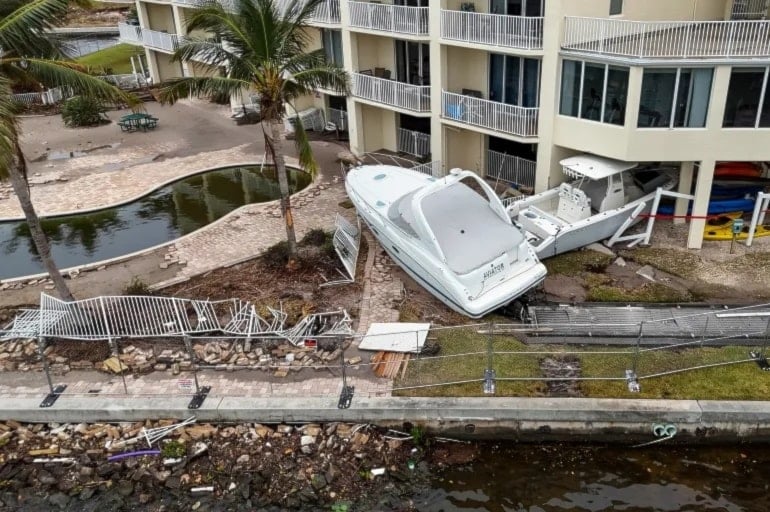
(27, 56)
(263, 47)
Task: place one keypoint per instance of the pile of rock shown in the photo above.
(223, 355)
(57, 466)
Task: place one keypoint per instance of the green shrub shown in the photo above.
(83, 111)
(277, 256)
(173, 450)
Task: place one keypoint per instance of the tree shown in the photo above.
(263, 46)
(27, 56)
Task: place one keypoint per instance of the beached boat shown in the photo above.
(591, 208)
(451, 234)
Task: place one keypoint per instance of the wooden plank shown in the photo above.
(404, 366)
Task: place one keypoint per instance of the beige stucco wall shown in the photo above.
(466, 69)
(160, 17)
(377, 128)
(166, 68)
(314, 38)
(374, 52)
(464, 149)
(644, 9)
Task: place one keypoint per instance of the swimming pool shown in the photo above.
(161, 216)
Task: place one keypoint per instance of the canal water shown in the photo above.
(166, 214)
(544, 478)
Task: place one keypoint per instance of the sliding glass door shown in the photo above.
(413, 62)
(514, 80)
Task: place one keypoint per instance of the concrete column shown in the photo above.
(701, 203)
(152, 64)
(685, 187)
(350, 63)
(180, 27)
(635, 76)
(438, 82)
(548, 171)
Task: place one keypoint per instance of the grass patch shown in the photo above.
(601, 288)
(115, 60)
(576, 262)
(463, 358)
(347, 204)
(675, 262)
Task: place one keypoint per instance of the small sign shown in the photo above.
(185, 385)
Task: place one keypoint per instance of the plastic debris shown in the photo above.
(378, 471)
(209, 488)
(125, 455)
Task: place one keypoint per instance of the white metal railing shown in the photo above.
(667, 39)
(389, 18)
(390, 92)
(339, 118)
(493, 29)
(510, 168)
(327, 12)
(413, 142)
(433, 168)
(48, 97)
(126, 81)
(749, 9)
(160, 40)
(493, 115)
(130, 33)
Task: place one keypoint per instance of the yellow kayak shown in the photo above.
(721, 228)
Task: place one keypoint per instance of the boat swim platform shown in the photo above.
(658, 324)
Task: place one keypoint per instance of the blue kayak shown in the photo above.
(716, 206)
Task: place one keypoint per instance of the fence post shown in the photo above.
(346, 396)
(705, 329)
(632, 380)
(489, 373)
(54, 392)
(120, 365)
(763, 354)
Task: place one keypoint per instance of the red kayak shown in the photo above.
(742, 169)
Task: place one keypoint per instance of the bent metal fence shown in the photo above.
(585, 353)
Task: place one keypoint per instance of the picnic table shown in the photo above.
(137, 121)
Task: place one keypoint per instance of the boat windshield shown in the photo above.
(400, 213)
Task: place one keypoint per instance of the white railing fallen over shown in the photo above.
(347, 242)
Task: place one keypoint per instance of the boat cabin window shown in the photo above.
(596, 190)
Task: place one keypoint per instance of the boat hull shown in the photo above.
(436, 277)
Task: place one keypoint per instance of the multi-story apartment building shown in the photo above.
(515, 86)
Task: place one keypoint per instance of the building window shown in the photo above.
(594, 91)
(675, 98)
(514, 80)
(332, 44)
(616, 7)
(571, 77)
(745, 97)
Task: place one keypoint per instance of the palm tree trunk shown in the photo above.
(273, 143)
(18, 177)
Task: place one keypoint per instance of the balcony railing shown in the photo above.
(339, 118)
(510, 168)
(327, 12)
(389, 18)
(160, 40)
(130, 33)
(493, 29)
(413, 143)
(500, 117)
(389, 92)
(667, 39)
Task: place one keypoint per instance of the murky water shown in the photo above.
(166, 214)
(544, 478)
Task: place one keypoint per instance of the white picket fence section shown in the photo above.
(493, 29)
(48, 97)
(389, 18)
(413, 142)
(510, 168)
(397, 94)
(501, 117)
(347, 242)
(339, 118)
(130, 33)
(667, 39)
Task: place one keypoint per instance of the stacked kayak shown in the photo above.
(721, 228)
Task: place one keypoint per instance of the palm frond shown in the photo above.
(180, 88)
(22, 32)
(59, 73)
(304, 150)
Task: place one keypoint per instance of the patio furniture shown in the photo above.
(138, 121)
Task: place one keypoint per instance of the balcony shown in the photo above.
(520, 32)
(663, 40)
(131, 34)
(396, 19)
(327, 13)
(414, 98)
(492, 115)
(510, 168)
(413, 143)
(162, 41)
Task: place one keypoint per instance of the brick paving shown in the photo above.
(243, 234)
